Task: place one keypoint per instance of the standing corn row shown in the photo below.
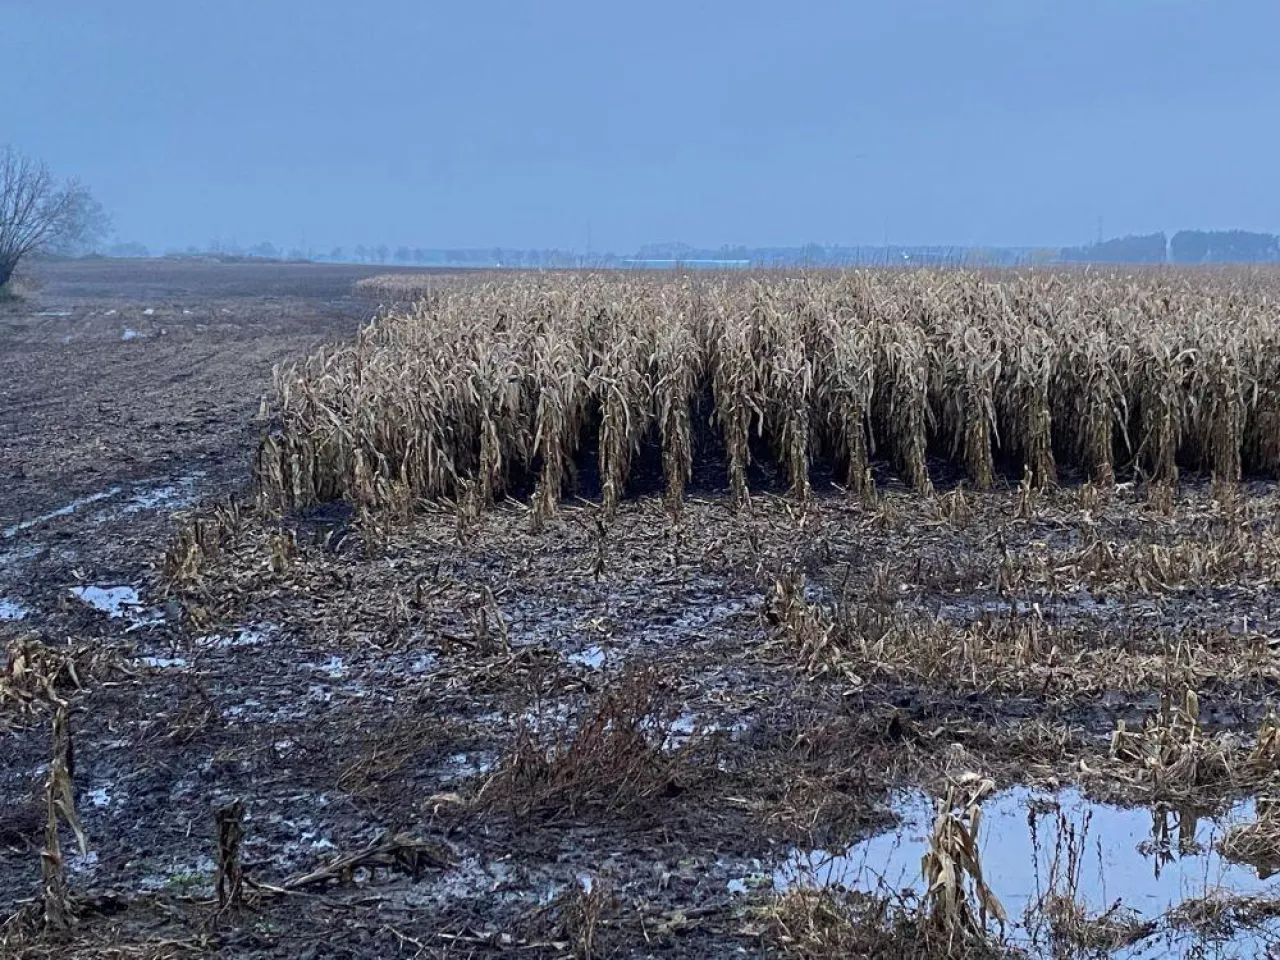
(487, 383)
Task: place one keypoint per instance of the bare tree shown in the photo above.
(40, 214)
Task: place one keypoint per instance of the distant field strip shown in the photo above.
(469, 387)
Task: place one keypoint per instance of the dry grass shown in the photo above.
(60, 808)
(620, 757)
(36, 676)
(230, 885)
(581, 914)
(1257, 842)
(1221, 914)
(830, 924)
(479, 386)
(1011, 652)
(1172, 754)
(19, 945)
(1060, 910)
(391, 851)
(814, 924)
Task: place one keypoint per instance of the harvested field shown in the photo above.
(648, 617)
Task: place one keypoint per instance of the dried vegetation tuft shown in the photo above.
(621, 756)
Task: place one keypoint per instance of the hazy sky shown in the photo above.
(521, 123)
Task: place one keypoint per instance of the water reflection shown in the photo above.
(1125, 868)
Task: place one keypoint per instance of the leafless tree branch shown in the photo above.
(40, 214)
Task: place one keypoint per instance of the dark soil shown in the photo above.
(121, 371)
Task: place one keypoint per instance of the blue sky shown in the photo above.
(524, 124)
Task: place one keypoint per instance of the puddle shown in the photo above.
(12, 610)
(593, 657)
(423, 663)
(1150, 861)
(113, 601)
(99, 797)
(70, 508)
(172, 496)
(316, 842)
(245, 637)
(462, 766)
(118, 602)
(335, 668)
(83, 864)
(687, 725)
(54, 313)
(162, 663)
(130, 334)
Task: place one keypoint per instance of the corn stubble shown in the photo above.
(460, 394)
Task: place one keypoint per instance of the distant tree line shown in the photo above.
(819, 255)
(1224, 246)
(1185, 247)
(1145, 248)
(379, 254)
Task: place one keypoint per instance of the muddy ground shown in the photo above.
(456, 737)
(129, 371)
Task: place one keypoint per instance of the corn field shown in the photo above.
(475, 386)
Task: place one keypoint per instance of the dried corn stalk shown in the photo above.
(482, 386)
(60, 808)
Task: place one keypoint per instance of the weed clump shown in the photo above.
(620, 758)
(1171, 754)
